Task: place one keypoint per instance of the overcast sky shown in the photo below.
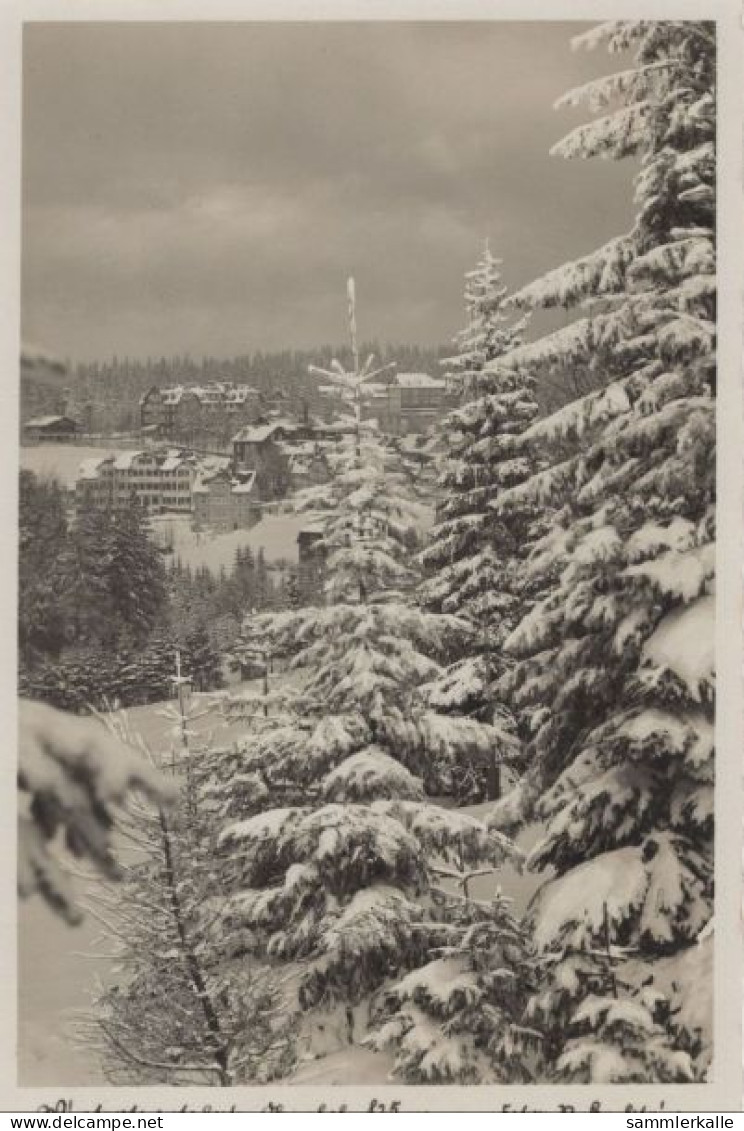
(207, 188)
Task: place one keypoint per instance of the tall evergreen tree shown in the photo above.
(42, 576)
(87, 561)
(489, 331)
(135, 575)
(334, 841)
(473, 556)
(202, 658)
(616, 657)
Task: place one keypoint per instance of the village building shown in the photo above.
(223, 501)
(158, 481)
(176, 476)
(56, 429)
(401, 404)
(409, 403)
(198, 413)
(95, 482)
(259, 448)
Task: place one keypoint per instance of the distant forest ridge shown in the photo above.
(106, 393)
(258, 368)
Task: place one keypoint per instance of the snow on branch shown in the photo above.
(73, 775)
(602, 272)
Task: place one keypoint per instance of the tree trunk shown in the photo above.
(493, 780)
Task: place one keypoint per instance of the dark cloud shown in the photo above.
(208, 187)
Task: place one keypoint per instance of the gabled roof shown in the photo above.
(207, 476)
(419, 381)
(173, 462)
(47, 421)
(256, 433)
(124, 461)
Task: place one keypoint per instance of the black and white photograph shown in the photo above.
(366, 556)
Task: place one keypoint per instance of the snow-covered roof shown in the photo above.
(216, 392)
(173, 394)
(46, 421)
(255, 434)
(214, 463)
(240, 393)
(124, 461)
(419, 381)
(207, 477)
(246, 486)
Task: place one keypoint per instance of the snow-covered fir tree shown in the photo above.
(462, 1017)
(489, 329)
(473, 555)
(136, 574)
(333, 844)
(616, 658)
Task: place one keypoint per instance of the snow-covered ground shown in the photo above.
(54, 974)
(59, 461)
(275, 534)
(353, 1065)
(55, 970)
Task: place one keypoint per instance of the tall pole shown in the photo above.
(351, 292)
(181, 705)
(352, 380)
